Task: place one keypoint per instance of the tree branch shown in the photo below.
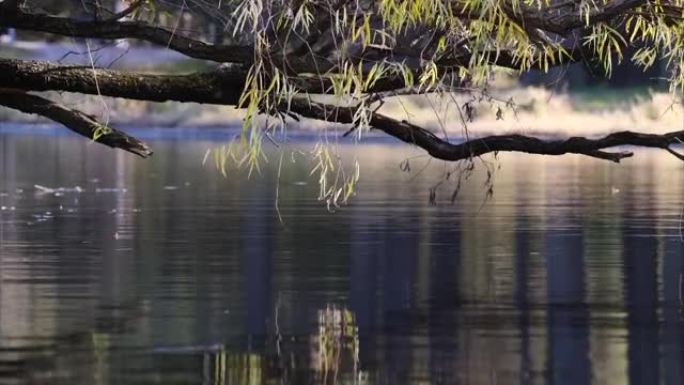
(126, 12)
(74, 120)
(561, 21)
(221, 86)
(217, 87)
(225, 87)
(114, 29)
(441, 149)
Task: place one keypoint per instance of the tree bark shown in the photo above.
(218, 87)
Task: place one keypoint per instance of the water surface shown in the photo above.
(163, 271)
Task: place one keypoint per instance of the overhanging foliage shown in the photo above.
(279, 55)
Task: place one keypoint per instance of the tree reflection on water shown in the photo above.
(547, 283)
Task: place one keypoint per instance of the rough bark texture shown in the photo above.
(218, 87)
(221, 86)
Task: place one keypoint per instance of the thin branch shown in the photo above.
(113, 29)
(442, 149)
(128, 11)
(74, 120)
(675, 153)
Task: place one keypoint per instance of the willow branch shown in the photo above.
(74, 120)
(221, 86)
(114, 29)
(442, 149)
(216, 87)
(225, 87)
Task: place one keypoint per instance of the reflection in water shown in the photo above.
(567, 324)
(164, 272)
(641, 292)
(335, 347)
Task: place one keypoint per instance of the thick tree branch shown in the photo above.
(114, 28)
(74, 120)
(221, 86)
(225, 87)
(561, 21)
(217, 87)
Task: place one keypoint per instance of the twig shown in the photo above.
(128, 11)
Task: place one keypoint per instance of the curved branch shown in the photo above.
(74, 120)
(441, 149)
(114, 29)
(225, 86)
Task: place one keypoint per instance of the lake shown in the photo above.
(118, 270)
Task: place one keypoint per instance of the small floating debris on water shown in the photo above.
(614, 190)
(3, 208)
(188, 184)
(39, 218)
(188, 349)
(170, 188)
(300, 183)
(116, 235)
(57, 191)
(43, 189)
(110, 190)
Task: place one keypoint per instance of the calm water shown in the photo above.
(163, 271)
